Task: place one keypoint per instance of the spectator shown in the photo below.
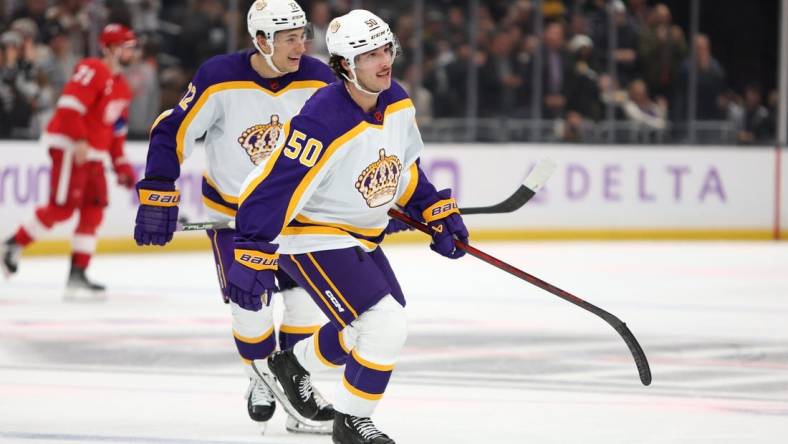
(662, 49)
(204, 24)
(758, 123)
(500, 99)
(710, 85)
(641, 110)
(319, 16)
(142, 76)
(56, 58)
(583, 103)
(627, 43)
(556, 67)
(73, 17)
(34, 10)
(16, 84)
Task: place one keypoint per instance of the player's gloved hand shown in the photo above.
(395, 226)
(126, 176)
(251, 280)
(445, 222)
(157, 214)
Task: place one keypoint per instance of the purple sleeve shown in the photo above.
(269, 199)
(423, 195)
(167, 144)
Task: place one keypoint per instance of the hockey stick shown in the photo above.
(532, 183)
(637, 352)
(535, 180)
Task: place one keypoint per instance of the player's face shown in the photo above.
(126, 53)
(289, 47)
(373, 68)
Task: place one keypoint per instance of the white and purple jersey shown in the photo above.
(241, 115)
(335, 174)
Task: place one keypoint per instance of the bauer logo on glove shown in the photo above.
(440, 209)
(160, 198)
(257, 260)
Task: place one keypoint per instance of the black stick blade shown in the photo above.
(637, 352)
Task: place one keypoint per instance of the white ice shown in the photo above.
(489, 359)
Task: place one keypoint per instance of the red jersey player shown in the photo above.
(87, 130)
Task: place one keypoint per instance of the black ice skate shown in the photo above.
(321, 424)
(79, 287)
(10, 252)
(356, 430)
(260, 403)
(295, 382)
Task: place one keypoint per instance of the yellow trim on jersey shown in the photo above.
(310, 175)
(246, 361)
(320, 356)
(331, 231)
(369, 364)
(393, 108)
(371, 232)
(255, 340)
(268, 167)
(317, 291)
(313, 172)
(217, 251)
(295, 330)
(411, 188)
(227, 197)
(224, 86)
(218, 207)
(331, 284)
(342, 343)
(162, 116)
(360, 393)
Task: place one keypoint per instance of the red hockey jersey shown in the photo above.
(93, 106)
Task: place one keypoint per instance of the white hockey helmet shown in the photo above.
(357, 32)
(271, 16)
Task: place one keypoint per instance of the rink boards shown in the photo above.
(597, 192)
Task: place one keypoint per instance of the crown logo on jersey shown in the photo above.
(259, 141)
(378, 182)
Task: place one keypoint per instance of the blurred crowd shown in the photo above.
(558, 72)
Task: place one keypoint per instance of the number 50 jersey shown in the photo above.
(241, 116)
(335, 174)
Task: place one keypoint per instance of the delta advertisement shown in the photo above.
(596, 192)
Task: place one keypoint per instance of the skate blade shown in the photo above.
(270, 380)
(309, 427)
(262, 427)
(7, 273)
(78, 295)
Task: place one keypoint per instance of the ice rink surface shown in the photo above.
(489, 358)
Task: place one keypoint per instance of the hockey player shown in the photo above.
(317, 208)
(240, 102)
(87, 129)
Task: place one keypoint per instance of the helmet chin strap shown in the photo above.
(268, 58)
(358, 86)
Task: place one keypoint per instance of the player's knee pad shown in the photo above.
(251, 324)
(89, 219)
(52, 214)
(381, 330)
(300, 309)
